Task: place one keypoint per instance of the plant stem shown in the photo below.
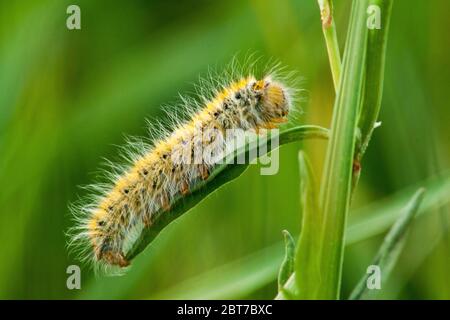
(373, 74)
(329, 32)
(336, 180)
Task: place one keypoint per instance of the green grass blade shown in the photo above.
(287, 266)
(373, 83)
(307, 264)
(391, 248)
(329, 33)
(336, 181)
(219, 177)
(377, 217)
(374, 79)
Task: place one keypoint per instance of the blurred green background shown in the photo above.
(67, 97)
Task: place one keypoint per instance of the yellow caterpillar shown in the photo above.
(108, 225)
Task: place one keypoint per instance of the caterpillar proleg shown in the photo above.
(107, 226)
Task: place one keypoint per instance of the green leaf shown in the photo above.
(373, 82)
(220, 176)
(329, 33)
(391, 248)
(377, 217)
(337, 175)
(287, 266)
(307, 264)
(374, 77)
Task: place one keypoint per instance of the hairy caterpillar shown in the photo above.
(107, 226)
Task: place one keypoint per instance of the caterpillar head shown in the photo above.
(274, 99)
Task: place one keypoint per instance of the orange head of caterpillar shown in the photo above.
(274, 100)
